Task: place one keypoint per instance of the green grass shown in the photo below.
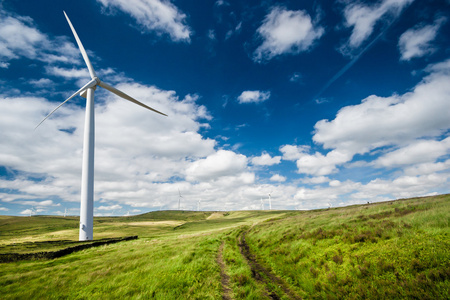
(390, 250)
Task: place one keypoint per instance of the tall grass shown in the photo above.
(173, 269)
(389, 250)
(386, 250)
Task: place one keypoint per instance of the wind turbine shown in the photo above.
(32, 211)
(270, 201)
(262, 204)
(179, 199)
(87, 176)
(198, 205)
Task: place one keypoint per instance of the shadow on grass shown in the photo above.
(12, 257)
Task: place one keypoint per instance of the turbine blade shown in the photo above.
(90, 84)
(80, 46)
(126, 97)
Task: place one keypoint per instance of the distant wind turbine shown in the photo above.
(32, 211)
(87, 176)
(179, 199)
(270, 201)
(198, 205)
(262, 204)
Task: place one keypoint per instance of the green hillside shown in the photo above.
(398, 249)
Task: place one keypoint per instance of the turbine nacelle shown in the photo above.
(84, 93)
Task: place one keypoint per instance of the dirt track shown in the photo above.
(263, 275)
(225, 279)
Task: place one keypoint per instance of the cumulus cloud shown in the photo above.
(278, 178)
(418, 152)
(293, 152)
(362, 18)
(111, 207)
(286, 32)
(43, 82)
(348, 192)
(134, 147)
(409, 126)
(427, 168)
(395, 120)
(416, 42)
(19, 37)
(159, 16)
(219, 164)
(315, 180)
(266, 160)
(318, 164)
(27, 212)
(253, 97)
(71, 73)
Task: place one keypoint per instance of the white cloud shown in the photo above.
(418, 152)
(43, 82)
(316, 180)
(3, 209)
(159, 16)
(4, 65)
(278, 178)
(295, 77)
(253, 97)
(27, 212)
(416, 42)
(20, 38)
(219, 164)
(339, 193)
(319, 164)
(135, 148)
(211, 35)
(286, 31)
(363, 18)
(407, 126)
(111, 207)
(427, 168)
(68, 73)
(292, 152)
(266, 160)
(395, 120)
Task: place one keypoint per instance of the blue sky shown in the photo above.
(318, 103)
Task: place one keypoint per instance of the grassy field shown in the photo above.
(389, 250)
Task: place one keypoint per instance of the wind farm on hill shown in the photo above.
(278, 134)
(389, 250)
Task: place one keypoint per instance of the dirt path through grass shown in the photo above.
(225, 279)
(263, 275)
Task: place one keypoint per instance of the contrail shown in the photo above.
(351, 63)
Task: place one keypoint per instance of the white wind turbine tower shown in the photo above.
(198, 205)
(262, 204)
(270, 201)
(87, 176)
(32, 211)
(179, 199)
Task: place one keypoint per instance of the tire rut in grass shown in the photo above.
(262, 274)
(225, 279)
